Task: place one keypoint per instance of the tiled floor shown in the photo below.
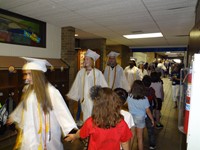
(168, 138)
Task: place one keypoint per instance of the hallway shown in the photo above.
(168, 138)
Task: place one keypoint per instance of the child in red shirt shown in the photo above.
(106, 127)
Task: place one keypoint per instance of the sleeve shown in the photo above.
(126, 133)
(101, 80)
(106, 73)
(61, 111)
(163, 67)
(85, 129)
(162, 92)
(146, 103)
(75, 92)
(130, 122)
(124, 81)
(16, 115)
(139, 73)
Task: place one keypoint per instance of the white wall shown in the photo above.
(52, 50)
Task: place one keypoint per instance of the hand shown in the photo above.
(153, 123)
(70, 137)
(9, 121)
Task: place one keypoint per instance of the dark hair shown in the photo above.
(106, 109)
(122, 95)
(138, 90)
(146, 81)
(155, 77)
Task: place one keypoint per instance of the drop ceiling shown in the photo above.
(111, 19)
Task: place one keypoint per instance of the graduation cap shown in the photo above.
(113, 54)
(141, 62)
(92, 54)
(36, 64)
(133, 59)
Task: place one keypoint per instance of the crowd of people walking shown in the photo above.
(117, 104)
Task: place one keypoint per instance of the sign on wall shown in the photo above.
(21, 30)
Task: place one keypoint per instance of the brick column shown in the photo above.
(69, 55)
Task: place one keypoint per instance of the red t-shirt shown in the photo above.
(102, 139)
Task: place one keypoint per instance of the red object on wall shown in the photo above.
(187, 105)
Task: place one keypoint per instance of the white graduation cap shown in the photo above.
(141, 62)
(113, 54)
(133, 59)
(92, 54)
(36, 64)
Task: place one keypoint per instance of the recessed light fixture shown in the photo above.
(146, 35)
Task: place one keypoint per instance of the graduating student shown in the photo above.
(132, 72)
(85, 79)
(42, 115)
(114, 74)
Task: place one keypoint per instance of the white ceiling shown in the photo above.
(111, 19)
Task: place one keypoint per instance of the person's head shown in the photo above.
(155, 76)
(34, 75)
(146, 80)
(112, 56)
(27, 77)
(132, 63)
(90, 58)
(138, 90)
(122, 95)
(112, 61)
(88, 62)
(106, 108)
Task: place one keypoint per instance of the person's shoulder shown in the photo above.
(51, 88)
(118, 66)
(89, 121)
(127, 67)
(107, 67)
(151, 89)
(81, 70)
(97, 71)
(125, 113)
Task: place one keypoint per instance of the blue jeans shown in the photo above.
(78, 115)
(150, 130)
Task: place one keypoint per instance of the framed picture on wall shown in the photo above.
(21, 30)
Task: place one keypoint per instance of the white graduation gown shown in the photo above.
(76, 91)
(132, 74)
(61, 122)
(120, 79)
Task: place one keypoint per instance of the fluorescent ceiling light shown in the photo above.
(147, 35)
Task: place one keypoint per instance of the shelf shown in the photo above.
(8, 87)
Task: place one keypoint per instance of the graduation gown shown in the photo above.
(132, 74)
(119, 77)
(59, 122)
(81, 87)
